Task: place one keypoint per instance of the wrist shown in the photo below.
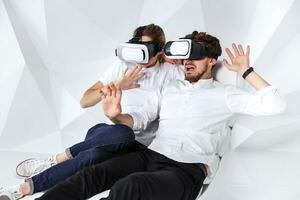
(113, 117)
(243, 70)
(116, 119)
(247, 72)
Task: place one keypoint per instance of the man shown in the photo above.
(193, 120)
(103, 140)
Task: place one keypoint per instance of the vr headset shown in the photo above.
(136, 51)
(187, 49)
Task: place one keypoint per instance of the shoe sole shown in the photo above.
(20, 175)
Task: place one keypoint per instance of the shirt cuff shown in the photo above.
(136, 123)
(266, 90)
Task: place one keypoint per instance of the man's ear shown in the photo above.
(211, 63)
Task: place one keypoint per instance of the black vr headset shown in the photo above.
(188, 49)
(136, 51)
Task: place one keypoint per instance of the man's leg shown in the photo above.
(165, 179)
(98, 178)
(160, 185)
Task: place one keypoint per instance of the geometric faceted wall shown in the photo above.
(51, 51)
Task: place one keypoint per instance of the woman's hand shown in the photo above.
(127, 81)
(173, 61)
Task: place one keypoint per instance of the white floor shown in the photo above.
(260, 175)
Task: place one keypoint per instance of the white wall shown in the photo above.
(52, 50)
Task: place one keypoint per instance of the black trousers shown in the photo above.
(137, 173)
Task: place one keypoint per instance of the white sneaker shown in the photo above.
(10, 193)
(33, 166)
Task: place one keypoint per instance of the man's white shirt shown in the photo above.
(134, 99)
(194, 119)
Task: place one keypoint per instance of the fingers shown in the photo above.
(241, 49)
(225, 62)
(109, 90)
(108, 93)
(103, 96)
(235, 49)
(136, 72)
(125, 71)
(139, 76)
(132, 71)
(113, 89)
(238, 51)
(118, 93)
(230, 55)
(135, 86)
(104, 91)
(248, 51)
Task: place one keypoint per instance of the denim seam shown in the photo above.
(31, 185)
(68, 153)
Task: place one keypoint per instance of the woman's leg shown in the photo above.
(102, 135)
(110, 137)
(62, 171)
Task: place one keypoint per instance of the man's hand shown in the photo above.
(111, 102)
(239, 60)
(129, 77)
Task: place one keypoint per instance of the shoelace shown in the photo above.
(35, 165)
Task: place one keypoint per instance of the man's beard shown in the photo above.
(193, 79)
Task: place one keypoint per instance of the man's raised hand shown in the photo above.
(111, 102)
(239, 59)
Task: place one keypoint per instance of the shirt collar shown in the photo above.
(202, 83)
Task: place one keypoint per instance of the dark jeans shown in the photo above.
(101, 143)
(140, 174)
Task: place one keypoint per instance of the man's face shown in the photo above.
(152, 60)
(194, 70)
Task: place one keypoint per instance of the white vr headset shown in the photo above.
(187, 49)
(137, 52)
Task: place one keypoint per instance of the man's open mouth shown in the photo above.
(189, 68)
